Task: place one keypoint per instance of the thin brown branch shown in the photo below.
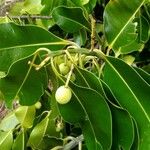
(29, 16)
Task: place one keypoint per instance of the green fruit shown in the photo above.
(129, 59)
(64, 69)
(63, 95)
(59, 59)
(38, 105)
(2, 74)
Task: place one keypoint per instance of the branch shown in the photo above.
(29, 16)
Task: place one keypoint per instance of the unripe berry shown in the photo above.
(63, 95)
(129, 59)
(63, 68)
(38, 105)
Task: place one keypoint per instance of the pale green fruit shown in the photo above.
(63, 68)
(38, 105)
(63, 95)
(129, 59)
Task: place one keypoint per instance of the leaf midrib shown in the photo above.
(75, 22)
(88, 119)
(129, 89)
(5, 137)
(121, 31)
(37, 44)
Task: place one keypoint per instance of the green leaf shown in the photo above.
(133, 46)
(87, 108)
(109, 94)
(5, 19)
(19, 143)
(38, 133)
(16, 9)
(18, 42)
(88, 79)
(143, 29)
(49, 142)
(49, 6)
(132, 92)
(32, 7)
(23, 82)
(90, 6)
(70, 23)
(47, 10)
(120, 30)
(143, 74)
(6, 140)
(123, 128)
(80, 37)
(89, 136)
(9, 122)
(25, 115)
(135, 144)
(80, 2)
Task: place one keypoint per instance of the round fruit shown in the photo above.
(129, 59)
(63, 68)
(63, 95)
(38, 105)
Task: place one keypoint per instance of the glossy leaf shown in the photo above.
(90, 6)
(19, 143)
(27, 84)
(88, 79)
(109, 94)
(80, 37)
(18, 42)
(133, 46)
(123, 128)
(51, 127)
(135, 145)
(87, 5)
(9, 122)
(70, 23)
(49, 142)
(50, 5)
(143, 29)
(25, 115)
(47, 11)
(38, 133)
(91, 108)
(119, 28)
(6, 140)
(80, 2)
(143, 74)
(132, 95)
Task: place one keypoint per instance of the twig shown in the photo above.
(93, 32)
(29, 16)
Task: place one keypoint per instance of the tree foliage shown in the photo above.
(99, 51)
